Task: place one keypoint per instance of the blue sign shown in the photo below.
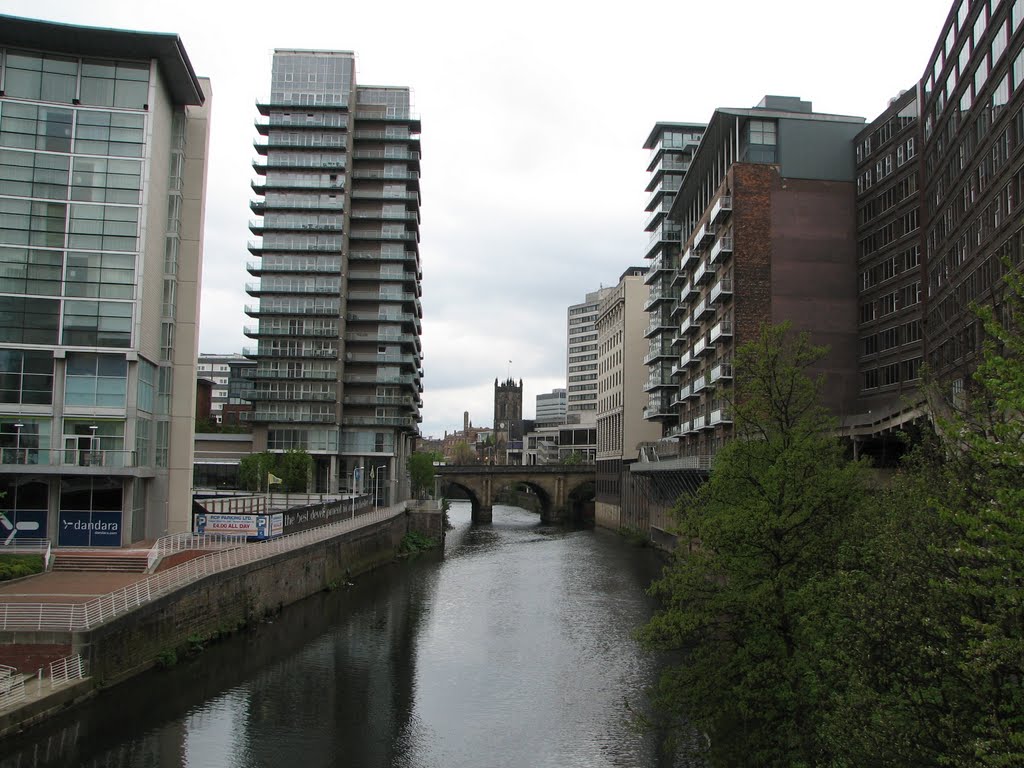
(89, 529)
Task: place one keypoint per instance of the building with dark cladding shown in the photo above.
(766, 211)
(972, 157)
(890, 345)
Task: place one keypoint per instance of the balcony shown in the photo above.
(700, 384)
(702, 236)
(378, 421)
(691, 358)
(656, 295)
(377, 234)
(681, 395)
(301, 375)
(721, 290)
(689, 292)
(658, 325)
(255, 332)
(287, 417)
(703, 310)
(658, 350)
(707, 424)
(721, 206)
(658, 265)
(321, 311)
(311, 184)
(704, 273)
(721, 248)
(99, 458)
(298, 265)
(334, 204)
(707, 346)
(288, 396)
(257, 248)
(689, 325)
(261, 289)
(412, 176)
(404, 401)
(721, 329)
(321, 354)
(391, 153)
(697, 424)
(412, 216)
(721, 372)
(721, 415)
(688, 259)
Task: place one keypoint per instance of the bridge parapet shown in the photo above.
(554, 485)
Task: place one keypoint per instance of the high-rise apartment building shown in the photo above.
(581, 363)
(551, 407)
(339, 316)
(672, 146)
(103, 143)
(766, 210)
(621, 348)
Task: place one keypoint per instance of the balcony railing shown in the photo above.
(688, 259)
(721, 247)
(324, 333)
(723, 328)
(702, 236)
(721, 372)
(704, 273)
(68, 457)
(720, 290)
(722, 205)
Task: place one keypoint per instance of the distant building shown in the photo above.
(227, 374)
(551, 408)
(622, 351)
(508, 417)
(581, 358)
(103, 157)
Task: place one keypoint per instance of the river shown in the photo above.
(515, 649)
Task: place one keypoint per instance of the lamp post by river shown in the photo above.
(17, 443)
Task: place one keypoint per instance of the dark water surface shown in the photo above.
(514, 650)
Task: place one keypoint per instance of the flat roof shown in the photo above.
(661, 126)
(102, 42)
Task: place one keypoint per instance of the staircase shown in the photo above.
(129, 562)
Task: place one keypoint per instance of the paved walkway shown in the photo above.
(66, 586)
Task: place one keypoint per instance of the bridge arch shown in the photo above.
(564, 490)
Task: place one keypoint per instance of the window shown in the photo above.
(26, 376)
(97, 323)
(28, 320)
(115, 84)
(96, 380)
(761, 131)
(40, 78)
(33, 174)
(100, 275)
(109, 133)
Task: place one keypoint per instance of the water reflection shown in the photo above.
(514, 650)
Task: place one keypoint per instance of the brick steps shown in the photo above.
(101, 562)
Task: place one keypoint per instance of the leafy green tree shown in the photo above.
(253, 470)
(462, 453)
(983, 499)
(573, 459)
(421, 473)
(295, 468)
(780, 501)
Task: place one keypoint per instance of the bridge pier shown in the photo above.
(482, 514)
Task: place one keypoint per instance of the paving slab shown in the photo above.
(66, 586)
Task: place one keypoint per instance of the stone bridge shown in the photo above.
(565, 491)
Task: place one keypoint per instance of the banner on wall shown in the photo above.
(89, 529)
(252, 526)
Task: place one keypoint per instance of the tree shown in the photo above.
(462, 453)
(780, 501)
(421, 473)
(295, 468)
(573, 459)
(253, 470)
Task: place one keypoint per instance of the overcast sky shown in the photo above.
(534, 118)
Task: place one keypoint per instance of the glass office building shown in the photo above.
(103, 137)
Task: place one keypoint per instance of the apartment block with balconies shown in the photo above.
(766, 212)
(339, 315)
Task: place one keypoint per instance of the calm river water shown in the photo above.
(513, 650)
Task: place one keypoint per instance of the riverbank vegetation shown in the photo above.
(823, 620)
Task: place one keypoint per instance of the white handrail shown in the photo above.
(73, 617)
(67, 669)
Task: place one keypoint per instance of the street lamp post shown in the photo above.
(92, 444)
(17, 443)
(376, 481)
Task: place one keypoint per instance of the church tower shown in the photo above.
(508, 410)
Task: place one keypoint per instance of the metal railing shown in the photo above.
(12, 686)
(77, 617)
(68, 669)
(180, 542)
